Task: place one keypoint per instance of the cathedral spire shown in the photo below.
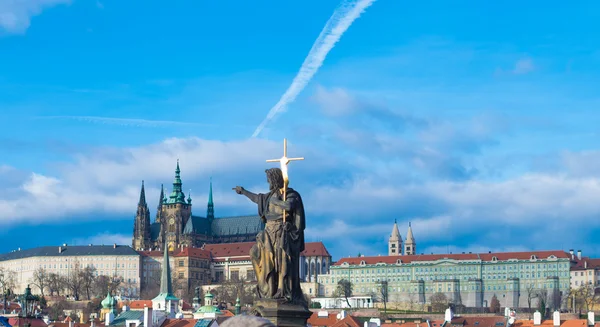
(210, 210)
(165, 277)
(177, 195)
(142, 201)
(141, 226)
(161, 198)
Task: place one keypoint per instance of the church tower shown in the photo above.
(210, 209)
(141, 229)
(395, 241)
(410, 246)
(175, 213)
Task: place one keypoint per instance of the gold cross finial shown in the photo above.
(283, 162)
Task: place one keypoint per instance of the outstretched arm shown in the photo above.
(253, 197)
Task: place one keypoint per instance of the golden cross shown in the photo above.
(283, 162)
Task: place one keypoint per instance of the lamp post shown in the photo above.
(27, 307)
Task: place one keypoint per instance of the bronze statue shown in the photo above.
(276, 254)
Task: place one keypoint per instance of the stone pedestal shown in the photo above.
(282, 314)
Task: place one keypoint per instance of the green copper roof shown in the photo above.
(177, 195)
(208, 307)
(210, 210)
(166, 290)
(107, 302)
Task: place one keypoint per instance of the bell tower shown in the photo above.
(410, 245)
(176, 212)
(395, 241)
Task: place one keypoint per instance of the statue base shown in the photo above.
(280, 313)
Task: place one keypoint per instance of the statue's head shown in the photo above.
(275, 178)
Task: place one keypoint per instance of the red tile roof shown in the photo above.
(349, 321)
(179, 323)
(550, 323)
(315, 249)
(317, 321)
(586, 263)
(140, 304)
(243, 249)
(66, 324)
(502, 256)
(18, 321)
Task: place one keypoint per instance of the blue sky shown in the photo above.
(475, 121)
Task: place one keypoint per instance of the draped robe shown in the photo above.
(276, 254)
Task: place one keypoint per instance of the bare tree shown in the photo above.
(7, 283)
(411, 301)
(40, 279)
(439, 302)
(531, 294)
(75, 281)
(56, 283)
(383, 294)
(344, 289)
(588, 296)
(87, 280)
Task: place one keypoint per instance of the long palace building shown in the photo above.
(469, 279)
(175, 225)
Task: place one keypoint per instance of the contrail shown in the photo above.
(126, 121)
(344, 15)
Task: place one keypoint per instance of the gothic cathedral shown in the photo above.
(175, 226)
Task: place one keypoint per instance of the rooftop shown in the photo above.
(69, 250)
(485, 257)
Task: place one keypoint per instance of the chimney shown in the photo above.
(537, 318)
(114, 245)
(71, 323)
(147, 316)
(585, 264)
(591, 318)
(93, 322)
(556, 318)
(108, 318)
(125, 308)
(572, 255)
(60, 249)
(579, 254)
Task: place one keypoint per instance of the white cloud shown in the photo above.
(108, 179)
(104, 239)
(15, 15)
(523, 66)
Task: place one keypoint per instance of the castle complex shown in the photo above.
(176, 226)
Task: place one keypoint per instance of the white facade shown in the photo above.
(126, 266)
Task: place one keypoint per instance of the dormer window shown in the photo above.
(362, 262)
(399, 262)
(494, 259)
(533, 257)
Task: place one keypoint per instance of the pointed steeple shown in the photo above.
(395, 233)
(395, 241)
(165, 277)
(165, 300)
(210, 210)
(189, 200)
(161, 198)
(142, 201)
(177, 195)
(410, 246)
(409, 235)
(141, 226)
